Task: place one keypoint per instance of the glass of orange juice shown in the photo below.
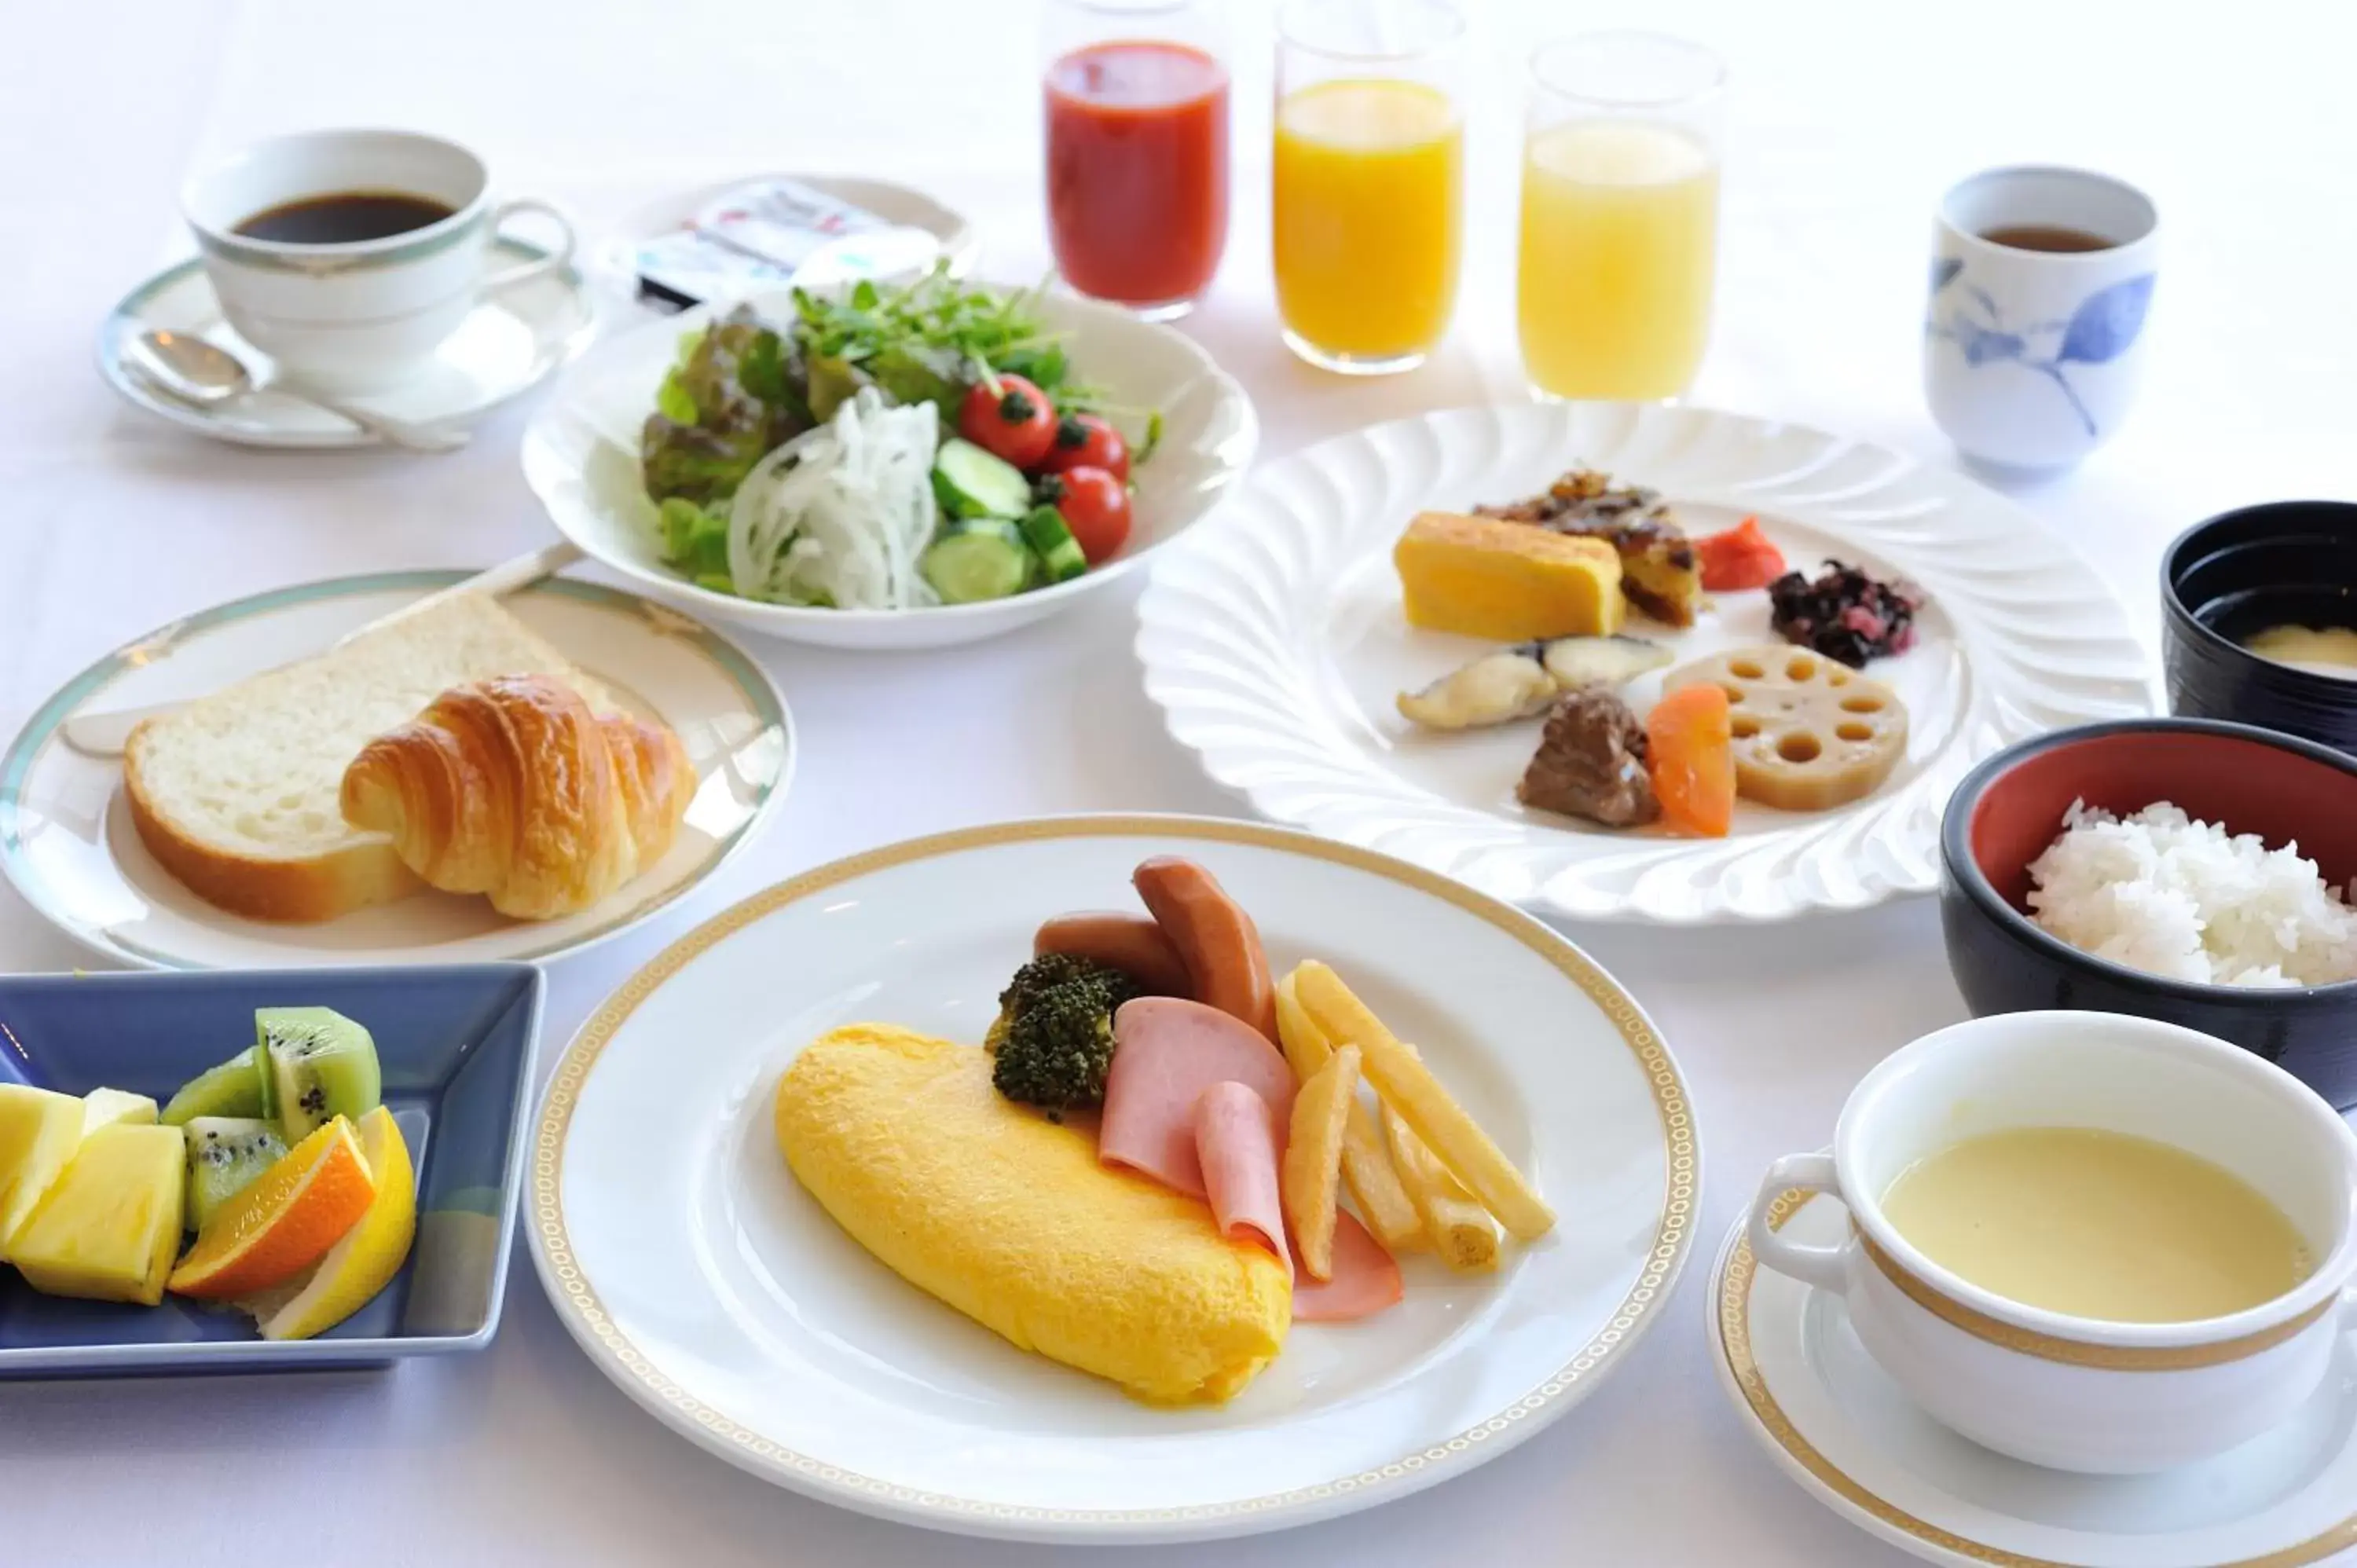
(1369, 180)
(1619, 241)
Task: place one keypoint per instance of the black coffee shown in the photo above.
(343, 217)
(2045, 237)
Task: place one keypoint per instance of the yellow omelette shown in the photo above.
(1008, 1218)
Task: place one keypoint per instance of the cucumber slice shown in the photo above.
(983, 558)
(971, 482)
(1045, 530)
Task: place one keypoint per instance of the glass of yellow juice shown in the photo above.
(1369, 180)
(1619, 239)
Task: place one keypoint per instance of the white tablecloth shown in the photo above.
(1847, 119)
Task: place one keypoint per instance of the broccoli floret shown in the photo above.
(1053, 1040)
(1048, 971)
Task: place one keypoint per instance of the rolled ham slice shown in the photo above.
(1166, 1051)
(1237, 1141)
(1366, 1278)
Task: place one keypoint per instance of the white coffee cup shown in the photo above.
(2077, 1393)
(360, 315)
(2031, 357)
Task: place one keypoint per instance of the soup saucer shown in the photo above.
(1808, 1392)
(508, 344)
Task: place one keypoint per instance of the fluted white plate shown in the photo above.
(1275, 643)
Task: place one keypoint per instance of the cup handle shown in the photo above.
(1824, 1267)
(508, 277)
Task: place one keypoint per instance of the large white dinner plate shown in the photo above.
(68, 844)
(1275, 643)
(581, 458)
(1806, 1390)
(699, 1277)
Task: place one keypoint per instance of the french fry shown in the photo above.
(1306, 1049)
(1313, 1159)
(1461, 1231)
(1384, 1203)
(1382, 1198)
(1407, 1086)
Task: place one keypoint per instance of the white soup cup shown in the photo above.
(2077, 1393)
(363, 315)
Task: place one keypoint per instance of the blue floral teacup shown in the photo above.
(2034, 339)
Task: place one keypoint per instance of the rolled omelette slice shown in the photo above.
(1008, 1218)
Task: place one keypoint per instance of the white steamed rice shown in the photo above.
(2161, 892)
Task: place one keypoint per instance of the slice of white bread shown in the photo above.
(237, 793)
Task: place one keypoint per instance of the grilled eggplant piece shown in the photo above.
(1495, 688)
(1521, 682)
(1577, 662)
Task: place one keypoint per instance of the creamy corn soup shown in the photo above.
(2097, 1224)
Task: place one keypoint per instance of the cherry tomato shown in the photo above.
(1017, 422)
(1095, 507)
(1085, 441)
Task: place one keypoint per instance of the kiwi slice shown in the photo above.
(239, 1087)
(225, 1153)
(322, 1065)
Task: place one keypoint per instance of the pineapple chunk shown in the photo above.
(104, 1107)
(1508, 582)
(111, 1226)
(39, 1131)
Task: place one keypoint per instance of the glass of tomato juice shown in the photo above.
(1136, 96)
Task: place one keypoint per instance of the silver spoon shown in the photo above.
(206, 374)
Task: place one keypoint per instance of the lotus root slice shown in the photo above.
(1809, 733)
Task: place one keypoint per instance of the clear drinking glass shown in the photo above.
(1369, 180)
(1137, 102)
(1619, 243)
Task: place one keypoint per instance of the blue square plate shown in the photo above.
(457, 1046)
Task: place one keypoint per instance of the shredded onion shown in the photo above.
(840, 514)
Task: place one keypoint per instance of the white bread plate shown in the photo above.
(581, 458)
(69, 845)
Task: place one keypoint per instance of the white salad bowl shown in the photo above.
(581, 458)
(2066, 1392)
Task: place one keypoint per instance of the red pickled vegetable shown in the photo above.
(1741, 558)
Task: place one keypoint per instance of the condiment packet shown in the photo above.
(781, 221)
(763, 234)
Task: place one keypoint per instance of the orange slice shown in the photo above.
(365, 1261)
(285, 1221)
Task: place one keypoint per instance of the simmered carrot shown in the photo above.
(1691, 756)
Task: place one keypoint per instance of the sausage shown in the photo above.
(1133, 944)
(1215, 938)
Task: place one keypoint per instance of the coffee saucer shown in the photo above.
(509, 344)
(1808, 1394)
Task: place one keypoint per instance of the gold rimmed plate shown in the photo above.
(68, 844)
(697, 1274)
(1811, 1396)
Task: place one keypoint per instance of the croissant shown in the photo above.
(512, 787)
